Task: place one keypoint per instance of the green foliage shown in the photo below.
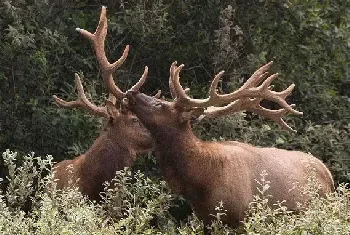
(133, 195)
(40, 52)
(136, 204)
(127, 209)
(24, 179)
(323, 215)
(36, 59)
(308, 40)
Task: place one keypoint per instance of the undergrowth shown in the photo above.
(134, 203)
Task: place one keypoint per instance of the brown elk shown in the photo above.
(207, 172)
(122, 137)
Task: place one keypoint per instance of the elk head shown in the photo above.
(122, 137)
(154, 112)
(120, 122)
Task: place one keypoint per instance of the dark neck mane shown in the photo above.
(177, 152)
(100, 163)
(111, 152)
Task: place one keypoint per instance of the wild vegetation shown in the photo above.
(139, 204)
(309, 41)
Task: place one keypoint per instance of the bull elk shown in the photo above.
(209, 172)
(122, 137)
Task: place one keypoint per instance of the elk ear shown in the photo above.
(192, 114)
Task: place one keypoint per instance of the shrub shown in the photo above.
(136, 204)
(132, 203)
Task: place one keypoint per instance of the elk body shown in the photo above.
(209, 172)
(122, 138)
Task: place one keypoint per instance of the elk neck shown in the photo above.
(169, 137)
(182, 158)
(111, 151)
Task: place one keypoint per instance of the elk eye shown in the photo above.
(158, 104)
(135, 120)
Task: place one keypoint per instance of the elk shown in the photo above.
(122, 137)
(209, 172)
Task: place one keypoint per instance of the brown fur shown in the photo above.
(123, 136)
(207, 172)
(117, 146)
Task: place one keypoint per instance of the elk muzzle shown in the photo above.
(137, 100)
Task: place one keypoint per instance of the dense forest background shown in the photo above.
(309, 42)
(40, 50)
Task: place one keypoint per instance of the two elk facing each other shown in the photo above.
(122, 138)
(207, 172)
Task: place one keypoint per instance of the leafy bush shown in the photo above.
(308, 40)
(39, 52)
(130, 203)
(136, 204)
(323, 216)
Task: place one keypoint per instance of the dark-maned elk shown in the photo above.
(208, 172)
(122, 137)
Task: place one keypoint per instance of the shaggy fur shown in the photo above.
(206, 172)
(116, 148)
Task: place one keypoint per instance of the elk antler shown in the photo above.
(97, 40)
(83, 102)
(247, 97)
(171, 84)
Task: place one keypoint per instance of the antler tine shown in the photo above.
(82, 101)
(158, 94)
(257, 76)
(241, 99)
(182, 98)
(97, 40)
(180, 94)
(263, 91)
(213, 95)
(142, 80)
(249, 90)
(171, 84)
(252, 105)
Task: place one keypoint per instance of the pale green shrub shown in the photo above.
(329, 215)
(134, 200)
(135, 204)
(130, 203)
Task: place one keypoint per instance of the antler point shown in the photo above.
(178, 69)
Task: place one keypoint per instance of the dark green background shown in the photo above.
(309, 41)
